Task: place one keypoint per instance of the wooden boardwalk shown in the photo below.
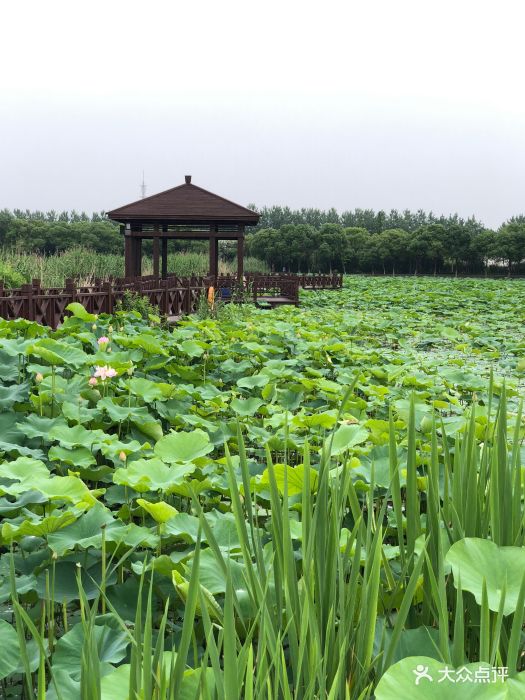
(275, 301)
(174, 296)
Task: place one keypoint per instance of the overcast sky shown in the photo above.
(377, 103)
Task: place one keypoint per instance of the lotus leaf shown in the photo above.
(152, 475)
(57, 353)
(183, 447)
(40, 527)
(78, 311)
(145, 341)
(15, 393)
(255, 380)
(27, 498)
(67, 488)
(66, 587)
(161, 511)
(111, 643)
(24, 470)
(80, 457)
(246, 407)
(294, 479)
(10, 649)
(399, 681)
(150, 391)
(115, 686)
(473, 560)
(191, 348)
(346, 437)
(84, 533)
(24, 584)
(76, 436)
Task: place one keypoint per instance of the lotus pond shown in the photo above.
(314, 502)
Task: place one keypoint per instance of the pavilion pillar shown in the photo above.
(136, 237)
(240, 258)
(128, 252)
(214, 252)
(164, 271)
(156, 251)
(138, 257)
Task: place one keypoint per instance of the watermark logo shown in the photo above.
(421, 672)
(482, 674)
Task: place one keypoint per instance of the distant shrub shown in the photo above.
(10, 276)
(133, 301)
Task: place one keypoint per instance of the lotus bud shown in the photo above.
(93, 381)
(54, 556)
(110, 329)
(39, 377)
(94, 327)
(130, 371)
(108, 350)
(122, 456)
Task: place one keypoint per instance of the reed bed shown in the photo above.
(85, 265)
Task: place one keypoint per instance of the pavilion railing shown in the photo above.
(174, 296)
(306, 281)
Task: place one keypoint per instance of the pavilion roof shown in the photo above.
(185, 203)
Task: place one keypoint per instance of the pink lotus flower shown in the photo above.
(105, 372)
(103, 340)
(93, 381)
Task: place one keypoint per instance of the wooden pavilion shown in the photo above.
(186, 212)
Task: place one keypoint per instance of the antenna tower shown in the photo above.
(143, 186)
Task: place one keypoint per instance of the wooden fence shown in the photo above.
(311, 281)
(174, 296)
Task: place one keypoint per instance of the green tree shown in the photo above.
(483, 248)
(392, 247)
(428, 247)
(510, 244)
(357, 240)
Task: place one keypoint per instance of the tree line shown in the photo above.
(310, 240)
(52, 232)
(369, 219)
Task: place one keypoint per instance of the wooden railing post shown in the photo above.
(165, 286)
(27, 291)
(187, 300)
(71, 290)
(109, 297)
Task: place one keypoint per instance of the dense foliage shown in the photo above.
(51, 233)
(301, 503)
(85, 265)
(306, 240)
(372, 221)
(451, 246)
